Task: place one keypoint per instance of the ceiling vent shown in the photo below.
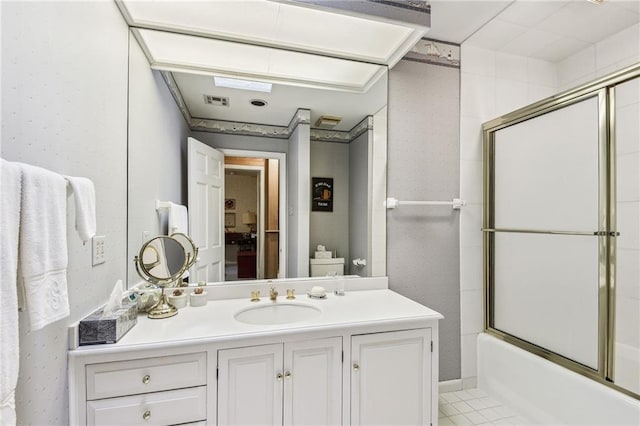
(216, 100)
(327, 122)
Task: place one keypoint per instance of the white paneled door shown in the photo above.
(250, 386)
(391, 378)
(313, 382)
(298, 383)
(206, 204)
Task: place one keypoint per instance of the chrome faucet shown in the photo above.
(273, 294)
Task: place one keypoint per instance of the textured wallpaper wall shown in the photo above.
(64, 108)
(423, 258)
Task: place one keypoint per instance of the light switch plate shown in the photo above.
(98, 249)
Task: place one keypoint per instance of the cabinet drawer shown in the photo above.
(159, 408)
(122, 378)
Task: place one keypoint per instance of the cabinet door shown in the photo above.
(250, 386)
(391, 378)
(313, 382)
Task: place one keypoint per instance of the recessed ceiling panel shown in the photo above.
(283, 25)
(178, 52)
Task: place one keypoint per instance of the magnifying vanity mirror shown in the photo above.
(163, 261)
(316, 122)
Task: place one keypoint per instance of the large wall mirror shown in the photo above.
(311, 142)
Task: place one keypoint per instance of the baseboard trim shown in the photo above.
(450, 386)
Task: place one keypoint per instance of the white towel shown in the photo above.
(84, 195)
(10, 188)
(43, 246)
(178, 219)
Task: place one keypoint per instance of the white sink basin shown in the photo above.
(277, 313)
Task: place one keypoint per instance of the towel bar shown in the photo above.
(456, 203)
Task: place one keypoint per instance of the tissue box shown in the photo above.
(323, 255)
(95, 329)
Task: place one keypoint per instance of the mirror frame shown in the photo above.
(190, 253)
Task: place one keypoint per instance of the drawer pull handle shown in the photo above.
(279, 377)
(146, 415)
(287, 375)
(356, 367)
(146, 379)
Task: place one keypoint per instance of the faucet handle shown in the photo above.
(255, 296)
(273, 294)
(291, 293)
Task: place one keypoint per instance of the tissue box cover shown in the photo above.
(323, 255)
(95, 329)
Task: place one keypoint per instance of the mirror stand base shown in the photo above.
(163, 309)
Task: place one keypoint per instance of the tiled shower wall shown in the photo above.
(494, 83)
(627, 296)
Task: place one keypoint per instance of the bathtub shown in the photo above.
(627, 363)
(547, 393)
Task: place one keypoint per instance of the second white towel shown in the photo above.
(43, 245)
(84, 195)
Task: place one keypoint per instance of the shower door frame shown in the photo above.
(604, 90)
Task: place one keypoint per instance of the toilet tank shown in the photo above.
(322, 267)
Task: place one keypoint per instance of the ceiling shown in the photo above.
(545, 29)
(282, 102)
(271, 41)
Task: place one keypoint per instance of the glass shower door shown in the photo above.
(562, 229)
(546, 283)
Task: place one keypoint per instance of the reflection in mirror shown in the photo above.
(188, 250)
(162, 258)
(312, 131)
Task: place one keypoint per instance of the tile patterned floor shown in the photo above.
(475, 407)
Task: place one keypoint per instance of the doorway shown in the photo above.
(251, 218)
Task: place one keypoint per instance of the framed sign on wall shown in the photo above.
(321, 194)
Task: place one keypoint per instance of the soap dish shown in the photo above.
(312, 296)
(317, 292)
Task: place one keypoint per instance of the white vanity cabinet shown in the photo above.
(369, 358)
(391, 380)
(295, 383)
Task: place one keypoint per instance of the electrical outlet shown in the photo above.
(98, 249)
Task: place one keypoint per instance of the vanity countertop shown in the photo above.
(215, 321)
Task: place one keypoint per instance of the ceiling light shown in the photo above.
(258, 102)
(234, 83)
